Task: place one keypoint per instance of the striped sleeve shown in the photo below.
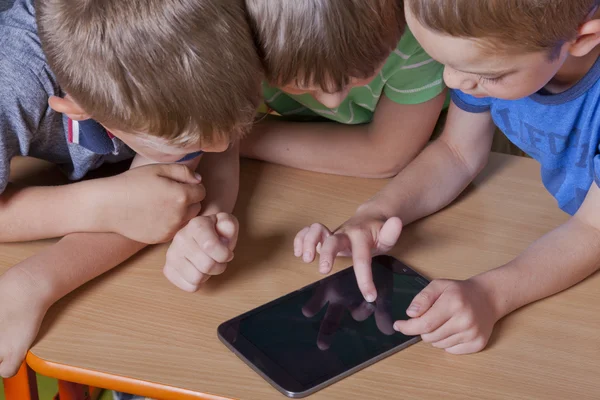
(416, 80)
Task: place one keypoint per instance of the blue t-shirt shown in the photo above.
(561, 131)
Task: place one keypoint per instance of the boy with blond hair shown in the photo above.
(532, 69)
(356, 93)
(85, 82)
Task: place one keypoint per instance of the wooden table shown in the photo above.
(132, 330)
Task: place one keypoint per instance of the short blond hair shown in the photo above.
(183, 70)
(523, 25)
(324, 42)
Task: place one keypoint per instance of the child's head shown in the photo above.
(503, 48)
(168, 77)
(325, 47)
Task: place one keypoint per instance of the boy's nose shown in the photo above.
(458, 80)
(331, 100)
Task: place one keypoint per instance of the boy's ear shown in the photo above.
(588, 38)
(68, 107)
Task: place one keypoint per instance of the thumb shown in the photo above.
(389, 234)
(227, 227)
(179, 173)
(425, 299)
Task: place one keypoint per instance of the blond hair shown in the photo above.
(324, 42)
(524, 25)
(183, 70)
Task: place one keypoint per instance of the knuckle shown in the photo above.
(210, 246)
(218, 269)
(180, 168)
(423, 297)
(207, 268)
(458, 303)
(195, 224)
(467, 321)
(479, 343)
(426, 338)
(428, 327)
(179, 198)
(195, 277)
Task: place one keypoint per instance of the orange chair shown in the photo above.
(23, 386)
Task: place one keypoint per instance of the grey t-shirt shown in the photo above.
(28, 126)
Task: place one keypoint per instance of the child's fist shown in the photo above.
(150, 204)
(200, 250)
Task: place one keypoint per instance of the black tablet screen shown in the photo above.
(327, 328)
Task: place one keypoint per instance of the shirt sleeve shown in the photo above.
(23, 103)
(417, 81)
(469, 103)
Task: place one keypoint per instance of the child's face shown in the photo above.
(470, 68)
(330, 100)
(160, 150)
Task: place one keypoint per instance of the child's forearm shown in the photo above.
(557, 261)
(431, 182)
(221, 176)
(440, 173)
(315, 146)
(32, 213)
(73, 261)
(376, 150)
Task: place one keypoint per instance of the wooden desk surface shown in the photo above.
(132, 323)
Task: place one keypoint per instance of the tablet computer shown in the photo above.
(317, 335)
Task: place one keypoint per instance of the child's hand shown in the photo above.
(362, 236)
(201, 249)
(150, 204)
(457, 316)
(21, 312)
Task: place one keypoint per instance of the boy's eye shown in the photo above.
(484, 79)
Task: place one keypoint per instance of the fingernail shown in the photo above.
(396, 326)
(231, 257)
(297, 253)
(307, 255)
(370, 297)
(198, 176)
(413, 308)
(324, 267)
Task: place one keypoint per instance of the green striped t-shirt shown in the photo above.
(409, 76)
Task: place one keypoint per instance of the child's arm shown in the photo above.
(434, 179)
(124, 204)
(459, 315)
(221, 177)
(376, 150)
(206, 244)
(29, 288)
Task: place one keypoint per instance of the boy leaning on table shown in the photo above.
(532, 69)
(363, 102)
(85, 82)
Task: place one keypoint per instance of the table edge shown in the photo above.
(113, 382)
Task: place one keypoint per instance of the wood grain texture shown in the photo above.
(132, 322)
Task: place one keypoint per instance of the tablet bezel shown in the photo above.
(277, 376)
